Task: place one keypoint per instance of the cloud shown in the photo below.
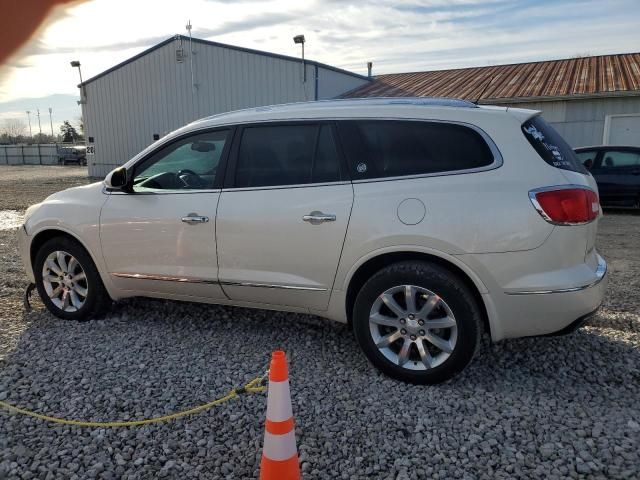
(397, 36)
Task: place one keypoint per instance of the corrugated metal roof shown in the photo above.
(605, 75)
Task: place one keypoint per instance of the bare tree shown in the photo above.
(80, 122)
(13, 128)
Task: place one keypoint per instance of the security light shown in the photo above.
(299, 40)
(76, 64)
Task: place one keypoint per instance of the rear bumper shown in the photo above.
(546, 311)
(600, 273)
(573, 326)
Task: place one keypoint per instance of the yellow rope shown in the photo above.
(251, 387)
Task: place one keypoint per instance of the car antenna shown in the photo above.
(484, 89)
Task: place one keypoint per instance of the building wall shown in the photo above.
(581, 121)
(332, 84)
(154, 94)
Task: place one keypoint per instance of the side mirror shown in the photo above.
(116, 179)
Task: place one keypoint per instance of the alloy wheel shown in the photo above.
(413, 327)
(65, 281)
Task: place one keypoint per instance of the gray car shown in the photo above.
(73, 154)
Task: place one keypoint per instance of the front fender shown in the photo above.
(74, 212)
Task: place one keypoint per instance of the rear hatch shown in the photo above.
(555, 151)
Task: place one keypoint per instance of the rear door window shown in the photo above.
(277, 155)
(390, 148)
(551, 146)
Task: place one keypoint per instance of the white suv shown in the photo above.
(422, 222)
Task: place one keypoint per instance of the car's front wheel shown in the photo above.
(68, 281)
(417, 322)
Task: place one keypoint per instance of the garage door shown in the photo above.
(623, 130)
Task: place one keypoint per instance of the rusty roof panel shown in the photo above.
(557, 78)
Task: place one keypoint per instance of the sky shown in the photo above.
(397, 36)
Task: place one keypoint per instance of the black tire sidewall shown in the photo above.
(95, 295)
(443, 283)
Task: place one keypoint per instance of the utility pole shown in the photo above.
(29, 117)
(39, 125)
(51, 121)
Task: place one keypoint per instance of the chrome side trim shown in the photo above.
(107, 191)
(282, 187)
(601, 271)
(163, 278)
(267, 285)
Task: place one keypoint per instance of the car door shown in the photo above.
(282, 221)
(619, 177)
(159, 237)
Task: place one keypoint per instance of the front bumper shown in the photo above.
(24, 244)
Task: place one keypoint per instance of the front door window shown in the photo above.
(188, 164)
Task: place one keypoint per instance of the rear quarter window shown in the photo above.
(393, 148)
(551, 146)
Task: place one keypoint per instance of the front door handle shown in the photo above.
(194, 218)
(317, 217)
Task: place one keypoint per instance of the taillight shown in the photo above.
(566, 205)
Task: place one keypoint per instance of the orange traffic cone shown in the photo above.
(279, 453)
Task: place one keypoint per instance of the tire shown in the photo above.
(82, 162)
(95, 300)
(439, 296)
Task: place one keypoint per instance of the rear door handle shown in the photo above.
(317, 217)
(194, 218)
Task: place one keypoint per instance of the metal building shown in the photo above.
(175, 82)
(589, 100)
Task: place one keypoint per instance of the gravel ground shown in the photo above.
(565, 407)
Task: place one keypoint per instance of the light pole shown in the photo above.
(29, 117)
(299, 39)
(51, 121)
(39, 125)
(83, 98)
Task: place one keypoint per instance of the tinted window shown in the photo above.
(286, 155)
(190, 163)
(326, 167)
(587, 158)
(613, 159)
(551, 146)
(380, 148)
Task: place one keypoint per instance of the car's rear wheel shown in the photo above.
(67, 280)
(417, 322)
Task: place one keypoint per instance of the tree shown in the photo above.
(69, 132)
(81, 125)
(13, 129)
